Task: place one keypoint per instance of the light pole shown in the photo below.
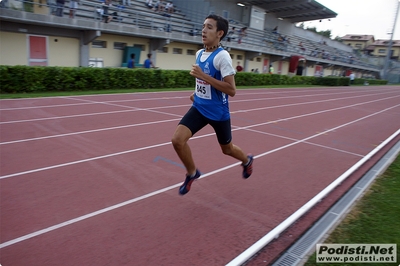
(385, 68)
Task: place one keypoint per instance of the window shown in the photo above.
(258, 59)
(190, 52)
(232, 56)
(163, 50)
(96, 62)
(119, 45)
(99, 44)
(239, 57)
(382, 51)
(358, 46)
(177, 51)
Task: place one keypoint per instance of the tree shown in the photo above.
(337, 38)
(325, 33)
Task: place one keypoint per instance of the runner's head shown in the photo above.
(214, 30)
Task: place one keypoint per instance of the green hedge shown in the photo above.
(17, 79)
(35, 79)
(370, 81)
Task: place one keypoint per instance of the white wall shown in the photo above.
(13, 49)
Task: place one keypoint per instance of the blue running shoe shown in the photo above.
(185, 188)
(248, 168)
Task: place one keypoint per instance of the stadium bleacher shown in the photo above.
(182, 23)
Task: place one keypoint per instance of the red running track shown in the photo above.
(93, 180)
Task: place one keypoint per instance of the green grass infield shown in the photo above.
(375, 219)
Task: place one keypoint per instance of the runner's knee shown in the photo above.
(177, 142)
(226, 149)
(180, 138)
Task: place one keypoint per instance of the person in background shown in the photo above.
(352, 77)
(149, 3)
(242, 34)
(52, 7)
(148, 63)
(302, 47)
(239, 68)
(131, 62)
(109, 18)
(159, 7)
(60, 7)
(231, 34)
(73, 6)
(169, 7)
(106, 6)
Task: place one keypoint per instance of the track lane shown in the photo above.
(207, 190)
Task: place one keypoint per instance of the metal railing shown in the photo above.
(134, 15)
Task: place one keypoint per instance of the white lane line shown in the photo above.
(124, 106)
(86, 103)
(167, 143)
(133, 109)
(170, 120)
(312, 102)
(175, 106)
(306, 142)
(75, 98)
(313, 95)
(234, 100)
(180, 97)
(243, 92)
(89, 215)
(66, 116)
(90, 131)
(42, 106)
(119, 205)
(83, 161)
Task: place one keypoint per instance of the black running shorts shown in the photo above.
(195, 121)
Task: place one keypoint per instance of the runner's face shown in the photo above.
(210, 36)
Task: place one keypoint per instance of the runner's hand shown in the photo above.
(196, 71)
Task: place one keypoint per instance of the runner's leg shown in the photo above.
(179, 141)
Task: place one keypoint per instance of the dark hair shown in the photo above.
(132, 56)
(222, 24)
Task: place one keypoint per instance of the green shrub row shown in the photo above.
(370, 81)
(17, 79)
(37, 79)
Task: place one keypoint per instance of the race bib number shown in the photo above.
(203, 89)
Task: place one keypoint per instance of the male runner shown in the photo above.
(215, 81)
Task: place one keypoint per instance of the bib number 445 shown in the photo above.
(201, 89)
